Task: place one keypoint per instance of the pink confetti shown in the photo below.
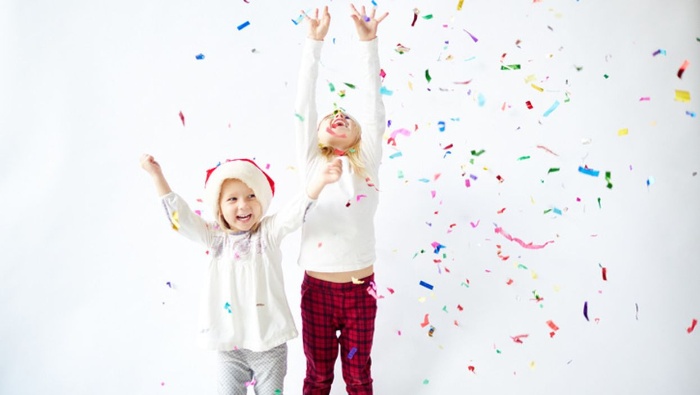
(182, 118)
(392, 138)
(471, 35)
(425, 322)
(474, 225)
(517, 339)
(692, 325)
(529, 246)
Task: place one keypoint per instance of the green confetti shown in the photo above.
(427, 75)
(429, 16)
(475, 153)
(498, 351)
(341, 93)
(547, 210)
(606, 76)
(599, 203)
(524, 157)
(426, 381)
(331, 87)
(400, 174)
(510, 67)
(349, 85)
(299, 117)
(607, 178)
(444, 308)
(552, 170)
(521, 266)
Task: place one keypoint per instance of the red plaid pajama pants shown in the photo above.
(325, 309)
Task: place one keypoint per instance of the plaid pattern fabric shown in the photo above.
(325, 309)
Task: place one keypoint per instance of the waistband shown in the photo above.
(329, 286)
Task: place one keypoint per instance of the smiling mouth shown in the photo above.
(244, 218)
(332, 133)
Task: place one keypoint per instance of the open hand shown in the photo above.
(366, 25)
(318, 27)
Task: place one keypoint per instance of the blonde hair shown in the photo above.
(223, 224)
(352, 153)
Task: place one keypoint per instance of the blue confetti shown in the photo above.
(429, 286)
(385, 91)
(243, 25)
(552, 108)
(441, 126)
(352, 352)
(200, 56)
(590, 172)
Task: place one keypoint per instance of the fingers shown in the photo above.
(381, 18)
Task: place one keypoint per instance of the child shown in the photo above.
(338, 242)
(245, 314)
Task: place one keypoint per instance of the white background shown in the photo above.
(87, 87)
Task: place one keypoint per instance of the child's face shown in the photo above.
(239, 206)
(339, 131)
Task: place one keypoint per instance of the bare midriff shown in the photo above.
(342, 277)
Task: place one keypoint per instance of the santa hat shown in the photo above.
(242, 169)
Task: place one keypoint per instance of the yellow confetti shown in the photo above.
(460, 3)
(623, 132)
(175, 220)
(410, 85)
(533, 274)
(356, 281)
(537, 87)
(682, 96)
(530, 78)
(421, 299)
(532, 365)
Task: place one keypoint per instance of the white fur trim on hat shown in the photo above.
(244, 170)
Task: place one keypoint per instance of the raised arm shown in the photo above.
(153, 168)
(181, 217)
(305, 103)
(373, 113)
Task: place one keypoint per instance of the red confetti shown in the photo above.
(552, 325)
(501, 210)
(518, 338)
(425, 322)
(605, 274)
(529, 105)
(415, 17)
(510, 281)
(471, 369)
(692, 326)
(684, 66)
(182, 118)
(391, 290)
(499, 178)
(460, 308)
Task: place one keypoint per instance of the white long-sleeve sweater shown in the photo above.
(243, 301)
(338, 235)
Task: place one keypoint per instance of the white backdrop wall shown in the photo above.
(98, 296)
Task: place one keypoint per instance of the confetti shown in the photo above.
(607, 179)
(684, 66)
(510, 67)
(519, 241)
(426, 285)
(524, 157)
(529, 105)
(427, 75)
(441, 126)
(416, 11)
(227, 307)
(352, 352)
(472, 36)
(551, 108)
(682, 96)
(243, 25)
(182, 118)
(471, 369)
(604, 273)
(477, 153)
(692, 326)
(552, 170)
(425, 322)
(199, 57)
(460, 3)
(623, 132)
(518, 338)
(585, 310)
(175, 220)
(659, 52)
(590, 172)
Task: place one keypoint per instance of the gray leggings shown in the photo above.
(238, 367)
